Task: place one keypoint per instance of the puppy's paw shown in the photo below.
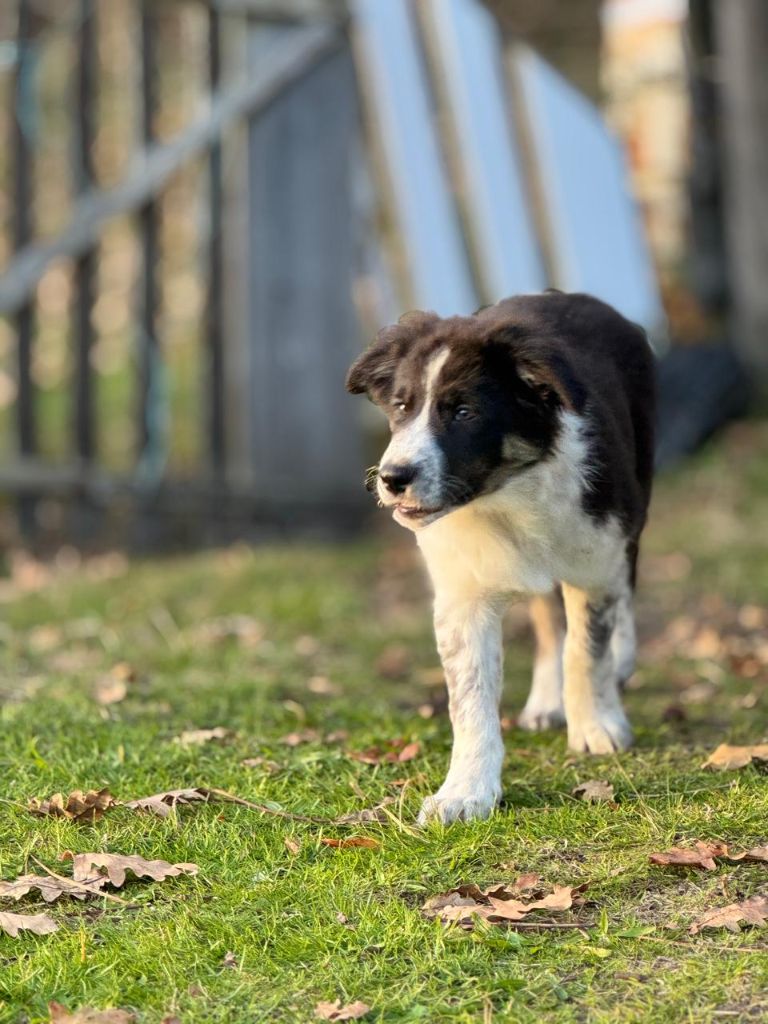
(536, 717)
(454, 804)
(602, 733)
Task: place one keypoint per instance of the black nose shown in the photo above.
(397, 478)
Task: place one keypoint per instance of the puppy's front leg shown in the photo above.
(469, 641)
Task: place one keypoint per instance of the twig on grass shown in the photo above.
(277, 812)
(85, 886)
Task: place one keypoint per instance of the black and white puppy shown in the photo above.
(521, 455)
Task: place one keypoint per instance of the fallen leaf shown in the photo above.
(87, 1015)
(261, 762)
(335, 1011)
(194, 737)
(728, 757)
(394, 662)
(499, 903)
(113, 687)
(371, 844)
(49, 888)
(752, 911)
(82, 808)
(396, 752)
(116, 865)
(701, 856)
(247, 631)
(162, 804)
(292, 845)
(323, 686)
(40, 924)
(230, 960)
(294, 739)
(368, 814)
(594, 791)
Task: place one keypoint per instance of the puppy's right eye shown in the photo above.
(399, 405)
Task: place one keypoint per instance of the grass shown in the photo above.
(330, 613)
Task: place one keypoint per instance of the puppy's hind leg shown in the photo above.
(544, 707)
(596, 719)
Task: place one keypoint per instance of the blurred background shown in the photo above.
(207, 207)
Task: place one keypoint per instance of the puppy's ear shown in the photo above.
(372, 373)
(544, 370)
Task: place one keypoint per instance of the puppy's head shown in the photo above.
(471, 402)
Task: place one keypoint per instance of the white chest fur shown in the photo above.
(530, 534)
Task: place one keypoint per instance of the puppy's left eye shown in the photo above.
(462, 412)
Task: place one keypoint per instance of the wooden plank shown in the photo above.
(598, 244)
(468, 54)
(283, 10)
(391, 68)
(153, 167)
(85, 267)
(303, 324)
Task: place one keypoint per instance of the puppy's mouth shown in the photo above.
(417, 515)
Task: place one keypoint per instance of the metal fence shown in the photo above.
(283, 52)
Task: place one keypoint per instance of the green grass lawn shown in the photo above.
(332, 626)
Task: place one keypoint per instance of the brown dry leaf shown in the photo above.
(162, 804)
(752, 911)
(372, 844)
(230, 959)
(368, 814)
(50, 888)
(701, 856)
(394, 662)
(292, 845)
(396, 752)
(295, 739)
(728, 757)
(40, 924)
(87, 1015)
(323, 686)
(82, 808)
(113, 687)
(261, 762)
(499, 902)
(335, 1011)
(116, 865)
(594, 791)
(194, 737)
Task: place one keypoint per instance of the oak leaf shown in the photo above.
(594, 791)
(82, 808)
(396, 752)
(162, 804)
(728, 758)
(335, 1011)
(195, 737)
(50, 888)
(115, 866)
(87, 1015)
(40, 924)
(701, 856)
(500, 902)
(752, 911)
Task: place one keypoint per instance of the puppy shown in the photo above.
(521, 456)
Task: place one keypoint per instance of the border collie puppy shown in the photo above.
(521, 456)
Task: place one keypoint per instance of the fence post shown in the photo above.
(85, 268)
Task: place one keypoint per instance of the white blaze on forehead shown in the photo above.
(414, 443)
